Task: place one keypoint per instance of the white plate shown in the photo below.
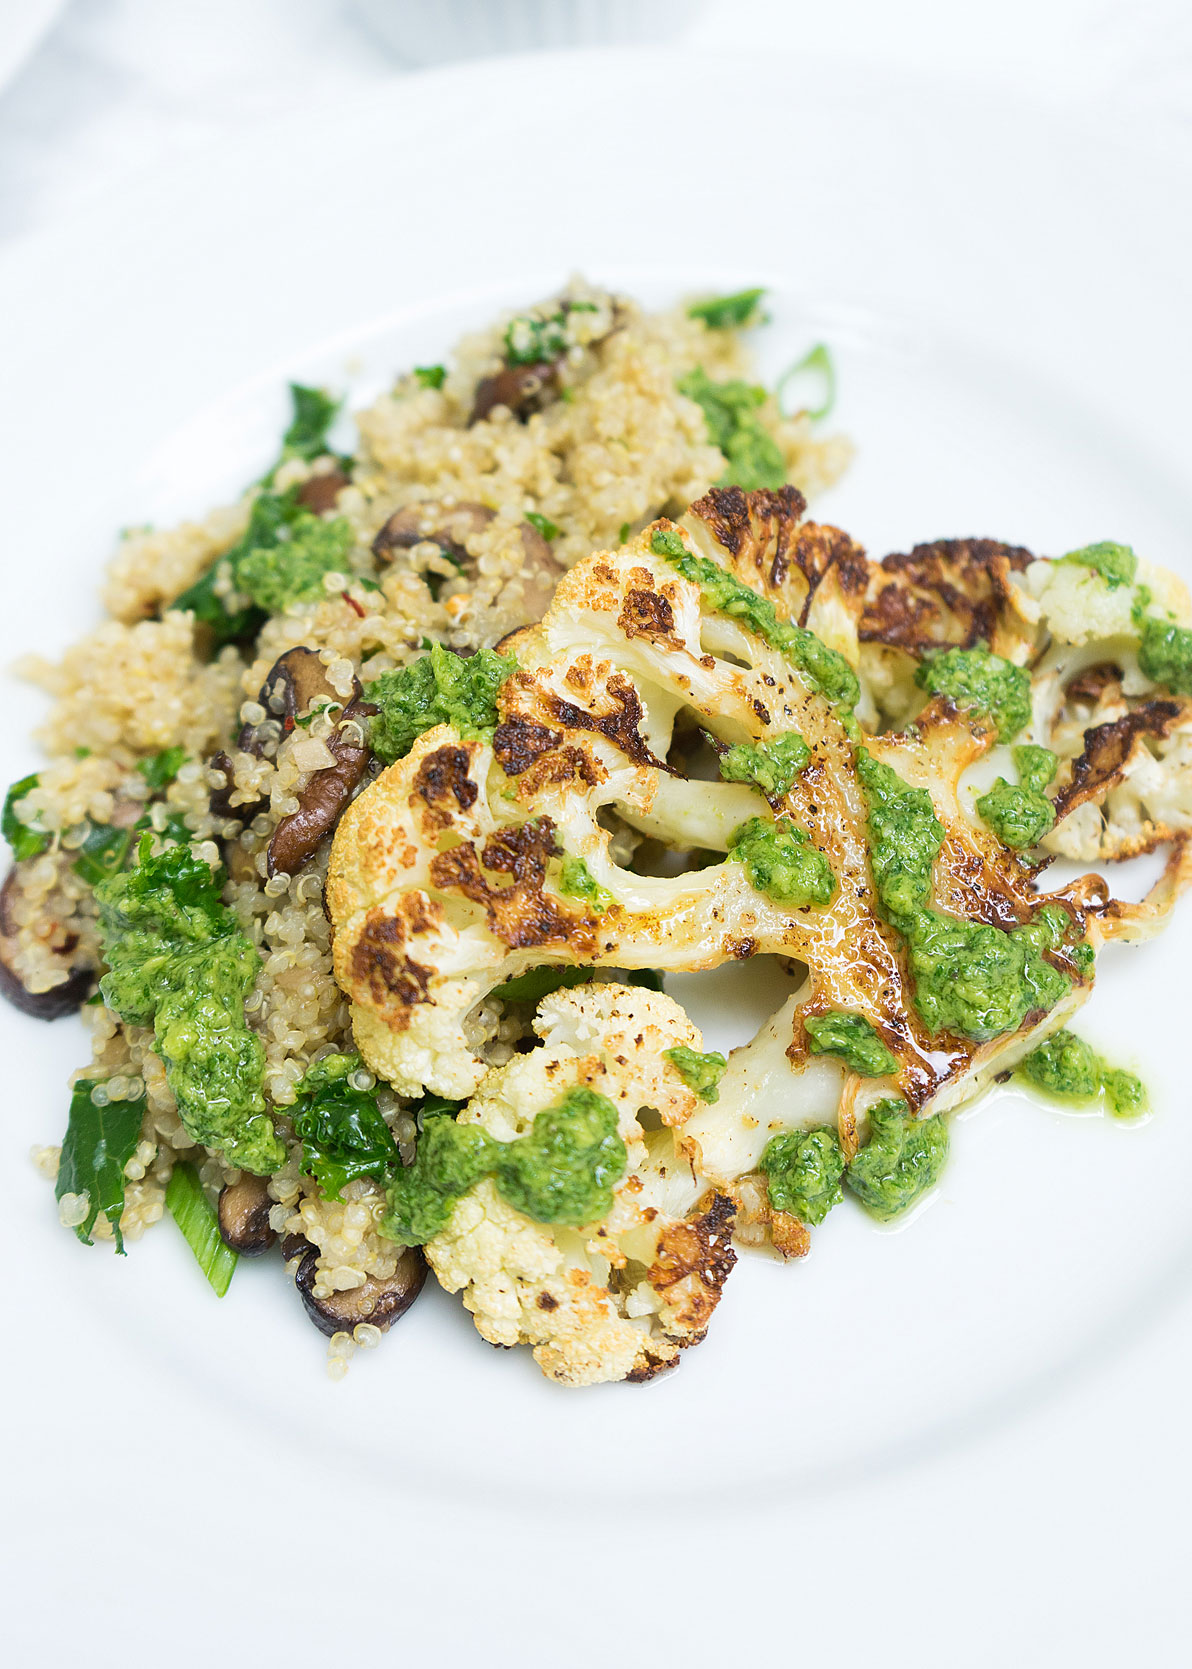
(1006, 301)
(23, 25)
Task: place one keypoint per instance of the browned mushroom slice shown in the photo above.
(293, 681)
(325, 797)
(520, 387)
(447, 525)
(60, 999)
(377, 1302)
(319, 492)
(244, 1215)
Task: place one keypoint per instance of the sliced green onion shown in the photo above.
(819, 361)
(194, 1214)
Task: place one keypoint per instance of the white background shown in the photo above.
(124, 85)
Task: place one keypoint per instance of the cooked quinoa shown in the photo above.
(601, 444)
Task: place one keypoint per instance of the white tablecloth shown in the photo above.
(116, 86)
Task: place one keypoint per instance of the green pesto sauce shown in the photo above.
(438, 688)
(177, 961)
(970, 978)
(852, 1039)
(1165, 654)
(701, 1073)
(1066, 1066)
(727, 312)
(993, 688)
(770, 766)
(564, 1170)
(781, 862)
(803, 1169)
(1021, 814)
(1116, 564)
(752, 455)
(901, 1160)
(577, 881)
(827, 671)
(277, 575)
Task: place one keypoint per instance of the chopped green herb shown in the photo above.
(819, 362)
(727, 312)
(803, 1169)
(102, 853)
(439, 688)
(26, 839)
(701, 1073)
(577, 880)
(1020, 815)
(547, 528)
(341, 1128)
(160, 769)
(824, 668)
(752, 455)
(178, 961)
(188, 1205)
(101, 1137)
(623, 535)
(431, 376)
(82, 753)
(770, 766)
(530, 341)
(781, 862)
(854, 1040)
(901, 1160)
(1116, 564)
(992, 687)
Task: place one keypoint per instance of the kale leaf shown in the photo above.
(101, 1137)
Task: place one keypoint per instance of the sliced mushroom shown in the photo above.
(520, 387)
(325, 797)
(450, 526)
(296, 679)
(377, 1302)
(60, 999)
(244, 1215)
(319, 492)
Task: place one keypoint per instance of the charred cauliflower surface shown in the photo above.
(811, 672)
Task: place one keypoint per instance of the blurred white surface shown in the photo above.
(118, 86)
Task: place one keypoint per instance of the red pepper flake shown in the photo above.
(288, 723)
(352, 603)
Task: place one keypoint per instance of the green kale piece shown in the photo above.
(431, 376)
(564, 1170)
(900, 1161)
(342, 1130)
(439, 688)
(803, 1169)
(905, 837)
(288, 571)
(701, 1073)
(770, 766)
(271, 517)
(727, 312)
(450, 1158)
(102, 853)
(853, 1040)
(753, 456)
(1066, 1066)
(314, 413)
(26, 839)
(1116, 564)
(160, 769)
(1165, 654)
(178, 961)
(1020, 815)
(539, 982)
(547, 528)
(995, 689)
(782, 863)
(101, 1137)
(196, 1217)
(577, 880)
(819, 360)
(827, 671)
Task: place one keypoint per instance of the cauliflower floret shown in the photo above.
(619, 1298)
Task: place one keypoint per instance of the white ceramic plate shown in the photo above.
(1006, 304)
(23, 25)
